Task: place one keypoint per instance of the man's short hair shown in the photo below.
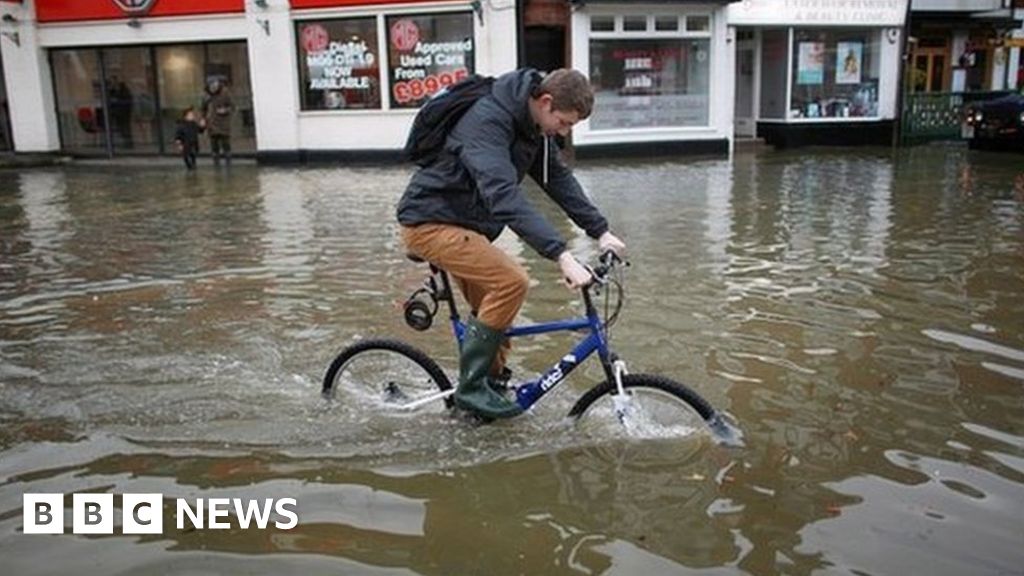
(570, 91)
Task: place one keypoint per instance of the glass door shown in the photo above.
(81, 114)
(130, 85)
(229, 63)
(180, 82)
(929, 72)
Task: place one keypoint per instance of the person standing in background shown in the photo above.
(217, 110)
(187, 137)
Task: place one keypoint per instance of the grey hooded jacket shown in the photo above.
(475, 181)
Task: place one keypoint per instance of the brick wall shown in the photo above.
(547, 13)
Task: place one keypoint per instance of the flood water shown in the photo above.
(859, 313)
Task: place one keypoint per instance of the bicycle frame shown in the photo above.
(529, 393)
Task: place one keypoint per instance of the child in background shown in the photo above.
(187, 137)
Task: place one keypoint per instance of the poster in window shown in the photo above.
(338, 64)
(849, 56)
(427, 53)
(811, 63)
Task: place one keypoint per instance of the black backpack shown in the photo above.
(438, 116)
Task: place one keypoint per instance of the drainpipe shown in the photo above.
(897, 132)
(520, 33)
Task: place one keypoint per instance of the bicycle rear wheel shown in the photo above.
(384, 373)
(654, 407)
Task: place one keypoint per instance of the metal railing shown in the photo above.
(937, 115)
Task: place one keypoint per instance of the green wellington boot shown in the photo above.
(479, 346)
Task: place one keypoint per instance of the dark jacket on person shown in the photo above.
(188, 134)
(217, 109)
(475, 181)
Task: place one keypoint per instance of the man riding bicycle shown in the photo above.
(455, 206)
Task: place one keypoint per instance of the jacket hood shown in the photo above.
(512, 92)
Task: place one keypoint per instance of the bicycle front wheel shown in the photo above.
(383, 373)
(652, 407)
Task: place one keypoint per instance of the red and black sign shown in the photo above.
(77, 10)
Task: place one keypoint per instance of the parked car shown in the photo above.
(995, 124)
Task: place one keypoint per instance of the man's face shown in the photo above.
(552, 122)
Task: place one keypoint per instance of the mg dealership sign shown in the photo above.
(81, 10)
(135, 7)
(817, 13)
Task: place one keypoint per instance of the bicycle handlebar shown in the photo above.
(606, 263)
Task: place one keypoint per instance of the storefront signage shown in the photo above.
(77, 10)
(427, 53)
(818, 12)
(339, 64)
(135, 6)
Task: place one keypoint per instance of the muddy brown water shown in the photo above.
(860, 313)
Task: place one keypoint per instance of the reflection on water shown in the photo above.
(859, 314)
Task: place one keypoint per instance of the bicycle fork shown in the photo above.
(621, 401)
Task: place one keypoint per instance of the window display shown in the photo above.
(835, 74)
(339, 67)
(662, 80)
(427, 53)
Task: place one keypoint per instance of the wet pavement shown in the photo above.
(860, 314)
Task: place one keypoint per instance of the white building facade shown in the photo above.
(662, 73)
(817, 71)
(307, 77)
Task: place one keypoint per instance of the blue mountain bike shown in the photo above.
(388, 373)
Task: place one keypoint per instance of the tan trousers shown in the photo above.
(493, 284)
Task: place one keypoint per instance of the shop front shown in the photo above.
(128, 99)
(817, 72)
(308, 78)
(362, 69)
(662, 75)
(114, 77)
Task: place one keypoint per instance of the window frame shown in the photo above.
(651, 33)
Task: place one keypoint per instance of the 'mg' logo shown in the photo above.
(135, 6)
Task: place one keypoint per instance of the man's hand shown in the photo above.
(575, 274)
(609, 241)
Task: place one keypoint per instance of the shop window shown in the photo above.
(634, 23)
(81, 114)
(339, 64)
(602, 23)
(427, 53)
(659, 80)
(834, 74)
(774, 66)
(666, 23)
(698, 23)
(649, 83)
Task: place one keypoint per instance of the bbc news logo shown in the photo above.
(144, 513)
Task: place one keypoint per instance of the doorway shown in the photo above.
(545, 47)
(931, 70)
